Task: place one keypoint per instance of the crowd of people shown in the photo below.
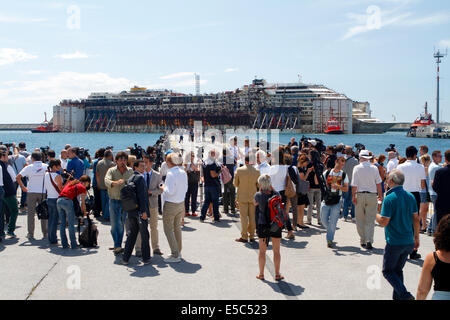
(272, 190)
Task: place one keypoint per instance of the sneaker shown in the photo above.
(30, 237)
(11, 235)
(117, 251)
(202, 220)
(158, 252)
(290, 237)
(369, 246)
(147, 261)
(330, 244)
(172, 259)
(363, 245)
(125, 263)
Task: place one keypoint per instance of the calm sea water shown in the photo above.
(92, 141)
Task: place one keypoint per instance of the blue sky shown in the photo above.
(376, 51)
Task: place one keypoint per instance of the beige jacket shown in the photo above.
(246, 180)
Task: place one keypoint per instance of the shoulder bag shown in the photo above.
(42, 206)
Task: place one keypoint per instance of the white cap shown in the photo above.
(365, 154)
(313, 142)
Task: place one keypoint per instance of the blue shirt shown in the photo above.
(94, 167)
(399, 205)
(77, 165)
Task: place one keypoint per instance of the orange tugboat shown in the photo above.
(421, 122)
(333, 126)
(45, 127)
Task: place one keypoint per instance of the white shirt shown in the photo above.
(35, 174)
(392, 165)
(277, 175)
(366, 177)
(48, 186)
(163, 170)
(414, 173)
(175, 186)
(64, 164)
(1, 177)
(264, 168)
(431, 172)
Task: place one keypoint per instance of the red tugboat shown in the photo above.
(422, 121)
(45, 127)
(333, 126)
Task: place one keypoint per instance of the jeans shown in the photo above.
(2, 216)
(118, 218)
(65, 210)
(348, 204)
(191, 196)
(229, 197)
(211, 196)
(432, 225)
(52, 220)
(105, 203)
(393, 262)
(137, 227)
(329, 216)
(10, 203)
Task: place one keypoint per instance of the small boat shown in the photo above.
(333, 126)
(45, 127)
(421, 123)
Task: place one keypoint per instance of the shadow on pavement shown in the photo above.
(294, 244)
(356, 250)
(185, 267)
(286, 288)
(71, 252)
(223, 223)
(10, 241)
(187, 229)
(309, 232)
(143, 271)
(418, 262)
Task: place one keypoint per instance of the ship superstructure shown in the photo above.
(289, 107)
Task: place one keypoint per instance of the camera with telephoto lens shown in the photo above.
(109, 148)
(391, 148)
(137, 151)
(82, 153)
(67, 176)
(359, 147)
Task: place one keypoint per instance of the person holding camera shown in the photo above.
(53, 185)
(35, 190)
(211, 172)
(75, 164)
(66, 208)
(100, 172)
(138, 219)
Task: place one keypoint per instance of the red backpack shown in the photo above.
(276, 211)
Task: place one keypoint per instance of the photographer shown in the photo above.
(8, 198)
(53, 185)
(75, 164)
(211, 172)
(100, 172)
(314, 193)
(66, 210)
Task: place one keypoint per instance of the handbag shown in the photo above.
(42, 206)
(290, 191)
(225, 175)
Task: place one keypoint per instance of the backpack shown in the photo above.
(332, 198)
(128, 196)
(88, 238)
(276, 213)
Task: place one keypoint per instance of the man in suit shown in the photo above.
(153, 181)
(441, 185)
(246, 181)
(138, 219)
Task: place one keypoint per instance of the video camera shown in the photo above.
(67, 176)
(44, 151)
(109, 148)
(359, 147)
(7, 145)
(82, 153)
(319, 143)
(137, 151)
(391, 148)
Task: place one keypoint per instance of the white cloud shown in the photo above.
(75, 55)
(12, 19)
(231, 69)
(178, 75)
(64, 85)
(12, 55)
(444, 44)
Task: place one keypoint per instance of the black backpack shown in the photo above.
(332, 198)
(128, 196)
(88, 238)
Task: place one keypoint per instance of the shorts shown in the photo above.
(302, 199)
(263, 231)
(425, 197)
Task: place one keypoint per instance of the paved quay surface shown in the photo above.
(214, 267)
